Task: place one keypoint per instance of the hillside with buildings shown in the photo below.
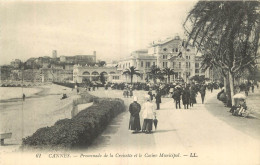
(168, 53)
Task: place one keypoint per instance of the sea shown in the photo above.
(17, 92)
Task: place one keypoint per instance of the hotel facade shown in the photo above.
(168, 53)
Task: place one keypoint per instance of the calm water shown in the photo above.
(16, 92)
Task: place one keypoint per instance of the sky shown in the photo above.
(112, 28)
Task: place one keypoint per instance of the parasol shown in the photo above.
(239, 96)
(155, 121)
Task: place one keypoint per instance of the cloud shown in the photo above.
(113, 29)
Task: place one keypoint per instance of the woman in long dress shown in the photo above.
(148, 115)
(134, 109)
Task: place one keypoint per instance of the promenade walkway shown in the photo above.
(180, 132)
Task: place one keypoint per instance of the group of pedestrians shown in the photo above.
(188, 94)
(157, 96)
(148, 115)
(128, 92)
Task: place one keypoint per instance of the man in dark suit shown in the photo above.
(177, 97)
(202, 93)
(158, 99)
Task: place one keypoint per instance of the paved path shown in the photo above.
(180, 132)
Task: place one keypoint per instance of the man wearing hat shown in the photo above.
(134, 109)
(158, 99)
(177, 97)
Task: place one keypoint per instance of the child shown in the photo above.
(242, 107)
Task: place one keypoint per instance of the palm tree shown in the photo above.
(102, 78)
(154, 73)
(168, 72)
(131, 71)
(231, 27)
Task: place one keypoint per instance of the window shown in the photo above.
(115, 77)
(165, 64)
(142, 64)
(176, 49)
(163, 56)
(196, 70)
(154, 63)
(197, 65)
(147, 64)
(165, 49)
(179, 64)
(173, 64)
(187, 64)
(202, 70)
(187, 57)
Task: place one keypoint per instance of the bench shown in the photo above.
(4, 136)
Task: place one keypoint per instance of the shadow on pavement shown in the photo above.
(162, 131)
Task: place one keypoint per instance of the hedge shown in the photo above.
(79, 131)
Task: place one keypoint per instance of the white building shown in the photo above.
(92, 73)
(168, 53)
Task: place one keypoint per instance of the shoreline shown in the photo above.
(39, 89)
(41, 109)
(43, 90)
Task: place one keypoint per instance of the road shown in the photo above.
(180, 132)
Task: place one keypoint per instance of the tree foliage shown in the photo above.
(227, 32)
(168, 72)
(131, 72)
(155, 73)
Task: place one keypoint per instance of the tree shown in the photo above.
(168, 72)
(154, 73)
(102, 78)
(131, 71)
(231, 27)
(101, 63)
(199, 79)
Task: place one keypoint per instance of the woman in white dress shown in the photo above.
(148, 115)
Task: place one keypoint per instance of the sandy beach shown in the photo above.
(16, 93)
(43, 107)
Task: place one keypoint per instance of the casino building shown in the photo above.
(168, 53)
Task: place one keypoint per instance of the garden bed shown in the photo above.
(79, 131)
